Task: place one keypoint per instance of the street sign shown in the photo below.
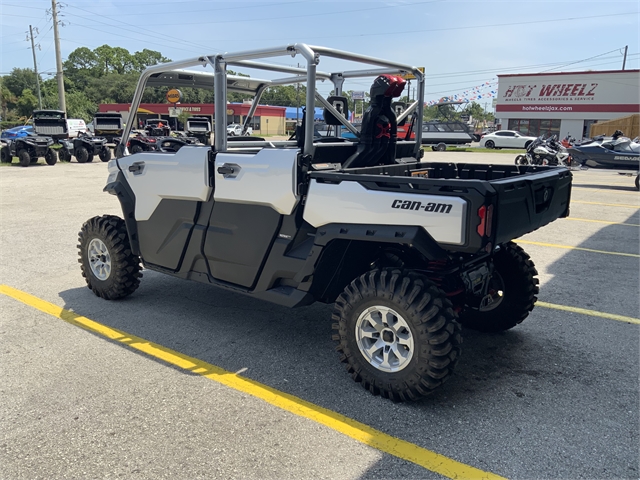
(411, 76)
(174, 95)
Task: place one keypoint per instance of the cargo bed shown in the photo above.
(503, 202)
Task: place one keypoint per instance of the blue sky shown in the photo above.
(462, 44)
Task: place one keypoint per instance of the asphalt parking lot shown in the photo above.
(556, 397)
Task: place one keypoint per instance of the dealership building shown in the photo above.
(565, 103)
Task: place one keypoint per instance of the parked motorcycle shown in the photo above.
(545, 152)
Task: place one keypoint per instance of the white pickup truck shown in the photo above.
(235, 130)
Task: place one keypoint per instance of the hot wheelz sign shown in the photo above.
(569, 95)
(561, 91)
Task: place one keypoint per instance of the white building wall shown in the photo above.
(570, 97)
(571, 127)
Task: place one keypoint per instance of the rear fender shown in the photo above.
(342, 252)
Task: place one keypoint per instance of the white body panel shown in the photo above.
(183, 175)
(264, 178)
(351, 203)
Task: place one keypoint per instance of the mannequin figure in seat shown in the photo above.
(379, 133)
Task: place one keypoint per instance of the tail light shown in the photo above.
(486, 218)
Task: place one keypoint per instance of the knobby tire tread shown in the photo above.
(437, 334)
(125, 266)
(521, 290)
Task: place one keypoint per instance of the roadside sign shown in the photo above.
(174, 95)
(357, 95)
(174, 111)
(411, 76)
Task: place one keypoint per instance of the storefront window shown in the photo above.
(255, 123)
(535, 127)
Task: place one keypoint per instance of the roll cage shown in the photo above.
(174, 74)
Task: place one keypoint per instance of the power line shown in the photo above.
(580, 61)
(137, 28)
(333, 13)
(430, 30)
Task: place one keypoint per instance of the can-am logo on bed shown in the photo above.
(428, 207)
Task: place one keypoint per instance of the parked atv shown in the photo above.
(28, 149)
(200, 128)
(49, 126)
(84, 148)
(51, 123)
(157, 127)
(108, 125)
(143, 143)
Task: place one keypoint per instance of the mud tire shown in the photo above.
(125, 274)
(25, 158)
(430, 320)
(51, 157)
(82, 154)
(516, 274)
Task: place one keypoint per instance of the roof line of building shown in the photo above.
(590, 72)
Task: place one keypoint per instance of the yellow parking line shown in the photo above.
(347, 426)
(569, 247)
(606, 204)
(592, 313)
(601, 221)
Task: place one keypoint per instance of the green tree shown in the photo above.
(113, 59)
(27, 103)
(20, 79)
(284, 95)
(6, 98)
(146, 58)
(49, 91)
(82, 59)
(80, 106)
(111, 88)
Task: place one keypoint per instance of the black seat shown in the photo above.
(379, 133)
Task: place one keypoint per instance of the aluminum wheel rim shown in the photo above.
(384, 339)
(99, 259)
(494, 298)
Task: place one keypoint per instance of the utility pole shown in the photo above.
(624, 61)
(56, 38)
(35, 68)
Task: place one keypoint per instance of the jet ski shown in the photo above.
(614, 152)
(617, 152)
